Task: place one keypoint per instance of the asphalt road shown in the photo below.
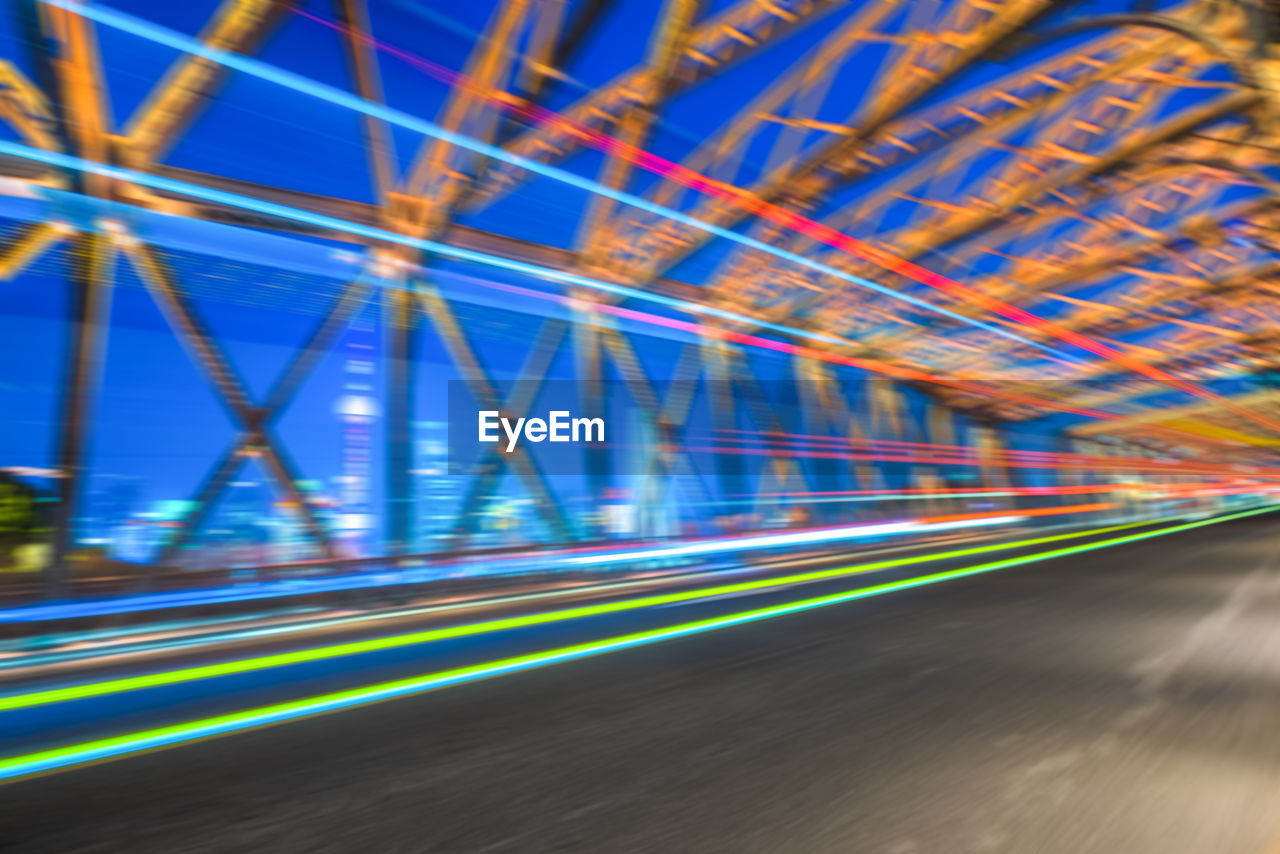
(1125, 700)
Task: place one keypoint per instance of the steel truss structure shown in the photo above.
(1111, 173)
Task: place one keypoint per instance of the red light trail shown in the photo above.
(798, 223)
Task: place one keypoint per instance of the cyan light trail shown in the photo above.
(99, 750)
(79, 646)
(72, 163)
(165, 637)
(782, 216)
(78, 164)
(294, 587)
(189, 674)
(788, 218)
(303, 85)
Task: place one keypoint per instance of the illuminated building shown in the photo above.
(358, 411)
(435, 496)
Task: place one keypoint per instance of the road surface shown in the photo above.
(1123, 700)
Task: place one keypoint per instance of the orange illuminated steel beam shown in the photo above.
(1257, 399)
(667, 43)
(24, 106)
(379, 140)
(238, 26)
(256, 438)
(83, 117)
(423, 205)
(740, 32)
(791, 179)
(738, 271)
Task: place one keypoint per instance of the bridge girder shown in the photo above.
(1066, 130)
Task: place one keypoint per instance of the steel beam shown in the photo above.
(238, 26)
(90, 309)
(722, 40)
(210, 358)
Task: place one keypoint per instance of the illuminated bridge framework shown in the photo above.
(1112, 173)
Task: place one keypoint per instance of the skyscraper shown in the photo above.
(358, 410)
(435, 497)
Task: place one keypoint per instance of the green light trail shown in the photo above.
(101, 749)
(247, 665)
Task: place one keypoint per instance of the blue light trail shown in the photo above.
(264, 71)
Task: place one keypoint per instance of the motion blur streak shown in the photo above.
(818, 536)
(147, 30)
(867, 364)
(76, 692)
(872, 298)
(831, 237)
(297, 587)
(93, 751)
(284, 212)
(824, 453)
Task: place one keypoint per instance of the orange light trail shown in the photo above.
(1079, 489)
(1146, 466)
(776, 439)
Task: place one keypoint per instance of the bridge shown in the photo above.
(583, 425)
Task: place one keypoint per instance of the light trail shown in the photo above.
(963, 520)
(798, 538)
(865, 364)
(189, 674)
(775, 438)
(306, 86)
(138, 640)
(294, 587)
(801, 444)
(767, 436)
(133, 641)
(884, 368)
(811, 228)
(925, 493)
(73, 163)
(832, 454)
(1000, 492)
(38, 762)
(145, 29)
